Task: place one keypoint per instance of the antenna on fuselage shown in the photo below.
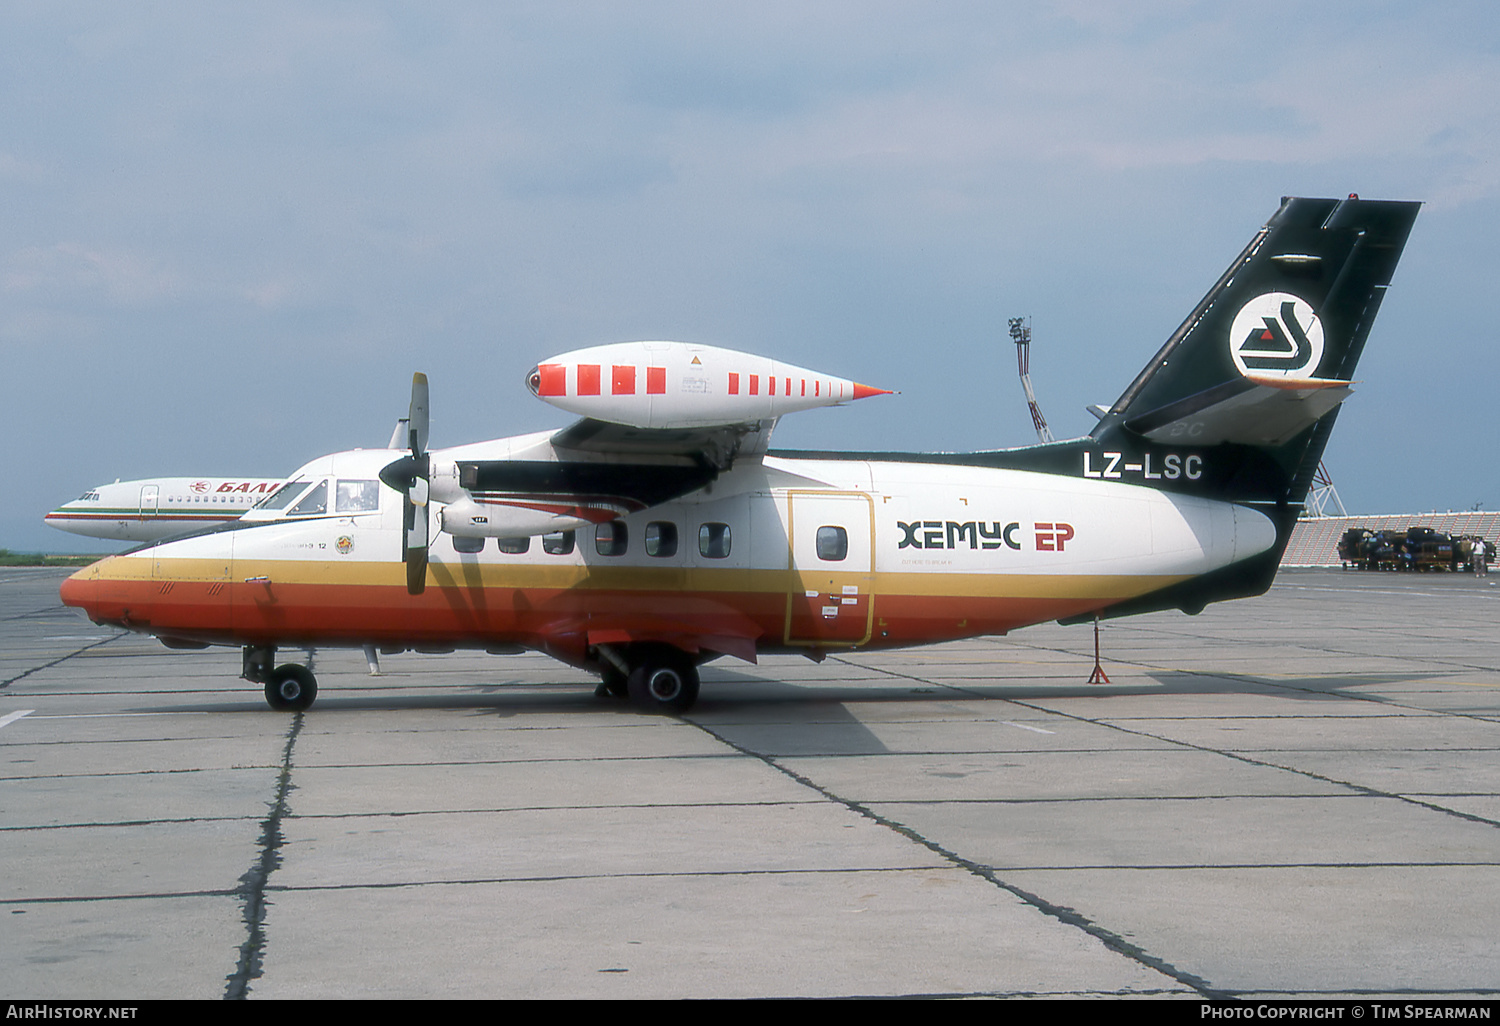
(1020, 333)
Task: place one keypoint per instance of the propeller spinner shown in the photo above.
(410, 475)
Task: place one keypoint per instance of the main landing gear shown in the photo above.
(289, 687)
(656, 678)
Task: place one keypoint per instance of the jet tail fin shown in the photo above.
(1269, 353)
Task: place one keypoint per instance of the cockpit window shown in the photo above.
(313, 503)
(281, 496)
(357, 497)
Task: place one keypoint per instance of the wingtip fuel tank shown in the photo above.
(682, 385)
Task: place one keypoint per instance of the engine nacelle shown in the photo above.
(466, 518)
(442, 481)
(682, 385)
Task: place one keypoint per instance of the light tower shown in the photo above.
(1324, 497)
(1020, 332)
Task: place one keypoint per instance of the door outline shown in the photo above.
(842, 578)
(150, 501)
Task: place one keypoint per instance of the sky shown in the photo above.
(231, 232)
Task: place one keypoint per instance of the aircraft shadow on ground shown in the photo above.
(1317, 688)
(728, 691)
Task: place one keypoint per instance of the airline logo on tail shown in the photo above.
(1276, 335)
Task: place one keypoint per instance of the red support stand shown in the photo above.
(1098, 676)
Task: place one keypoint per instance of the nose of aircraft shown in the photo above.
(80, 589)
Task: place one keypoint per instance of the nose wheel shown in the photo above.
(289, 687)
(292, 687)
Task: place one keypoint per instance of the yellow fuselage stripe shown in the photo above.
(521, 576)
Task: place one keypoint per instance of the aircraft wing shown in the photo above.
(716, 446)
(660, 420)
(593, 472)
(588, 490)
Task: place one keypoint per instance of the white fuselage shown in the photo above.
(779, 554)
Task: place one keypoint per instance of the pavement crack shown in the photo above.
(253, 885)
(1068, 916)
(1363, 790)
(60, 659)
(1119, 726)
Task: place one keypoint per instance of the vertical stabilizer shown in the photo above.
(1264, 360)
(1250, 384)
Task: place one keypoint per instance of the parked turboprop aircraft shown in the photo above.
(658, 532)
(144, 511)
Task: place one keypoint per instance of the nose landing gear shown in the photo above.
(290, 687)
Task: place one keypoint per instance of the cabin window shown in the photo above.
(468, 545)
(313, 503)
(833, 543)
(661, 539)
(611, 539)
(516, 546)
(358, 497)
(713, 541)
(558, 543)
(282, 496)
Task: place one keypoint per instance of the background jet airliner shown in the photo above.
(143, 511)
(156, 508)
(659, 531)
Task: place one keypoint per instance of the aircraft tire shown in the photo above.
(291, 688)
(664, 681)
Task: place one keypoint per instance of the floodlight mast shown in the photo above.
(1020, 333)
(1323, 500)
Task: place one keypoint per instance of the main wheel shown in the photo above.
(291, 687)
(664, 680)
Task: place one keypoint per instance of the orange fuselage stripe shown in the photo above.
(542, 607)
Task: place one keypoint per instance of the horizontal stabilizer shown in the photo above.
(1246, 411)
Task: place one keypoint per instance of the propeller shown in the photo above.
(410, 475)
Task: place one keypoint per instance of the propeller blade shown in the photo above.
(417, 422)
(409, 476)
(414, 541)
(416, 530)
(416, 573)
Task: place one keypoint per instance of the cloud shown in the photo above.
(74, 269)
(474, 186)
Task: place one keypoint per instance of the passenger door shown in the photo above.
(831, 538)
